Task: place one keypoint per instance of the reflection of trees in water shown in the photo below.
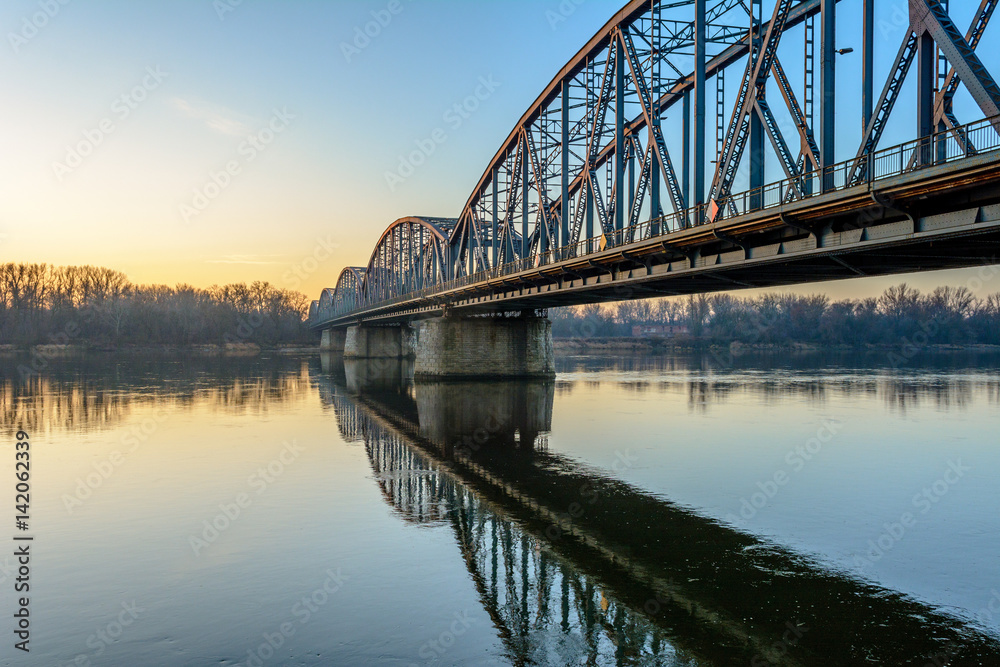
(255, 394)
(630, 579)
(702, 393)
(907, 394)
(564, 387)
(704, 379)
(40, 404)
(898, 392)
(723, 362)
(98, 392)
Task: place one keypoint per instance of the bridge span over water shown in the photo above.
(606, 188)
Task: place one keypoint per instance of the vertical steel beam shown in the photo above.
(809, 74)
(656, 42)
(926, 66)
(756, 161)
(698, 160)
(524, 197)
(421, 256)
(655, 210)
(828, 85)
(756, 126)
(409, 257)
(471, 248)
(930, 16)
(631, 193)
(940, 85)
(434, 275)
(809, 99)
(493, 227)
(564, 213)
(592, 111)
(619, 134)
(686, 158)
(868, 64)
(590, 212)
(720, 114)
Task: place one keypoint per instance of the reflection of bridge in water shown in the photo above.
(576, 568)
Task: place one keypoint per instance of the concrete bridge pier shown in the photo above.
(387, 342)
(484, 347)
(333, 340)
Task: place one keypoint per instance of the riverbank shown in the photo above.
(227, 349)
(673, 345)
(562, 346)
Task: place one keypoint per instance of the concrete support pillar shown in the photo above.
(333, 340)
(484, 347)
(390, 342)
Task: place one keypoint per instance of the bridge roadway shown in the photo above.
(938, 217)
(630, 576)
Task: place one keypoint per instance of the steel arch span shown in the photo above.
(349, 291)
(679, 124)
(343, 298)
(413, 253)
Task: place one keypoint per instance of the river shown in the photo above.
(702, 509)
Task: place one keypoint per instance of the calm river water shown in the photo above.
(677, 510)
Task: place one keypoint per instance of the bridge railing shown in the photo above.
(939, 148)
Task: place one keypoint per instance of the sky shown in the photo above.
(216, 141)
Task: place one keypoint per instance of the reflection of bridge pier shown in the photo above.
(571, 565)
(375, 375)
(455, 416)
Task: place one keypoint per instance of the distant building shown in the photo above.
(659, 330)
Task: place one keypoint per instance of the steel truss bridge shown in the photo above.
(606, 188)
(633, 578)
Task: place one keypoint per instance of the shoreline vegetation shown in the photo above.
(901, 317)
(651, 345)
(227, 349)
(99, 308)
(53, 311)
(659, 345)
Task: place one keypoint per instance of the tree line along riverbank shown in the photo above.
(93, 307)
(96, 307)
(946, 316)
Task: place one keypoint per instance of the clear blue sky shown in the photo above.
(198, 79)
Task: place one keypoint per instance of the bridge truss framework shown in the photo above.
(607, 174)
